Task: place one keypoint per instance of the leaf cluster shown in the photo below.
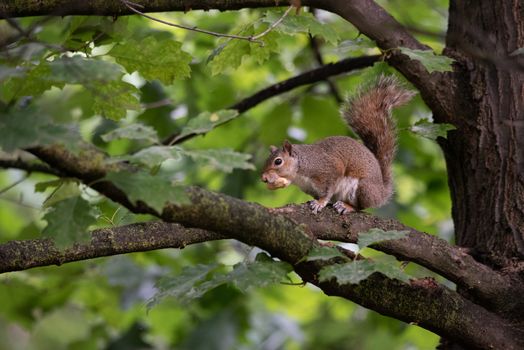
(124, 86)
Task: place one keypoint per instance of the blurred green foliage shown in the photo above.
(101, 303)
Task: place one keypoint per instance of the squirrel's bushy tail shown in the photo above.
(369, 114)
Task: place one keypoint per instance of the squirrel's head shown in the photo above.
(280, 168)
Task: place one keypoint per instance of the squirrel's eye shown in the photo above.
(278, 161)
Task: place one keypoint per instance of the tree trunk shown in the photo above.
(485, 155)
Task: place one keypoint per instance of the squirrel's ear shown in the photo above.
(272, 148)
(287, 146)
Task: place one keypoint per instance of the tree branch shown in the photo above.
(290, 240)
(422, 301)
(21, 8)
(377, 24)
(253, 38)
(309, 77)
(313, 76)
(435, 254)
(493, 288)
(430, 306)
(369, 18)
(29, 166)
(22, 255)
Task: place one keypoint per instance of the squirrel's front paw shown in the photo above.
(317, 205)
(343, 208)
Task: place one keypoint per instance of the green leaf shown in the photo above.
(42, 186)
(324, 253)
(430, 130)
(81, 70)
(377, 235)
(205, 122)
(113, 99)
(349, 273)
(154, 155)
(185, 286)
(21, 128)
(358, 44)
(221, 159)
(154, 190)
(136, 131)
(261, 53)
(66, 189)
(356, 271)
(228, 55)
(68, 221)
(60, 328)
(262, 272)
(196, 281)
(231, 53)
(34, 81)
(389, 266)
(83, 30)
(303, 23)
(153, 59)
(64, 70)
(432, 62)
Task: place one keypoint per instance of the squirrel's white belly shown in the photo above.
(346, 190)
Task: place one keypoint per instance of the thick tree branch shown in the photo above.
(455, 317)
(288, 240)
(17, 8)
(309, 77)
(422, 301)
(435, 254)
(22, 255)
(376, 23)
(494, 289)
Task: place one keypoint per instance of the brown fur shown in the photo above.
(369, 114)
(339, 166)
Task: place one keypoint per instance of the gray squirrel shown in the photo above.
(340, 169)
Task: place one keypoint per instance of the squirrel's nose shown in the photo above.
(264, 178)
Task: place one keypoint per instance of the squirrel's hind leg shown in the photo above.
(343, 208)
(372, 193)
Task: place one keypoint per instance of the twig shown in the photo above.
(14, 24)
(22, 33)
(272, 26)
(253, 38)
(309, 77)
(8, 187)
(157, 104)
